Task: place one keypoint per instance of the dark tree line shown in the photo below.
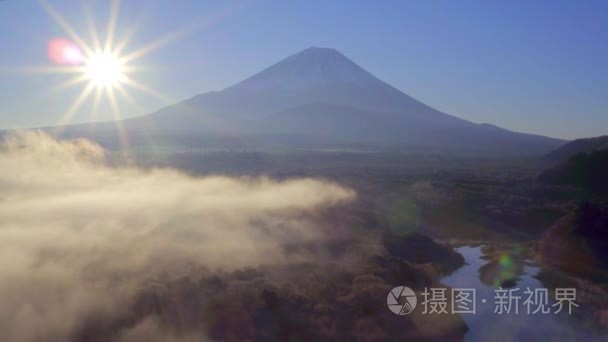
(592, 225)
(585, 170)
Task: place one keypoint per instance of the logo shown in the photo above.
(401, 300)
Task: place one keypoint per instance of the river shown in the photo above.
(486, 325)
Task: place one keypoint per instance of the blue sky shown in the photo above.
(531, 66)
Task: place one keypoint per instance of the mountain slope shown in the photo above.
(315, 75)
(322, 97)
(577, 146)
(585, 170)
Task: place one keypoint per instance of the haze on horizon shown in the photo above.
(531, 67)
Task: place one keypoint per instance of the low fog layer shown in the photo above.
(79, 238)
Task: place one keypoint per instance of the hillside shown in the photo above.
(578, 146)
(588, 171)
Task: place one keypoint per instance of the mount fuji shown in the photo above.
(319, 97)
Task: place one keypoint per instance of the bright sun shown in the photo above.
(100, 64)
(104, 70)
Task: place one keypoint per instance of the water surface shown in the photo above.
(486, 325)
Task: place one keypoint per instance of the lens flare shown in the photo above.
(64, 52)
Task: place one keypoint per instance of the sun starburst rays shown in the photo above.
(67, 116)
(91, 28)
(96, 102)
(114, 11)
(104, 71)
(104, 66)
(71, 82)
(69, 30)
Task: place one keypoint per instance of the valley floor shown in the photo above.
(405, 198)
